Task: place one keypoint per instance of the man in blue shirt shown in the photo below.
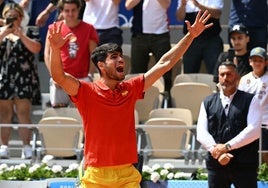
(254, 15)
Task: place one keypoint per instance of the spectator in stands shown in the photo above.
(254, 15)
(18, 79)
(209, 44)
(107, 25)
(150, 34)
(239, 54)
(2, 5)
(107, 106)
(256, 82)
(75, 54)
(92, 12)
(23, 3)
(228, 128)
(51, 7)
(103, 15)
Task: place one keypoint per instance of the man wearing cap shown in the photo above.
(239, 39)
(228, 127)
(256, 82)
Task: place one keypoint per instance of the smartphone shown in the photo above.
(10, 20)
(231, 54)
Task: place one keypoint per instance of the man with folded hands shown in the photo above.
(229, 127)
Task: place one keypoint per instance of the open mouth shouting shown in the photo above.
(120, 69)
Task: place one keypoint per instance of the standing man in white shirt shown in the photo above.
(228, 128)
(150, 34)
(103, 15)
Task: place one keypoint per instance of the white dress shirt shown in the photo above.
(246, 136)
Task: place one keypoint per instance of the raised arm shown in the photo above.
(44, 15)
(66, 81)
(169, 59)
(181, 12)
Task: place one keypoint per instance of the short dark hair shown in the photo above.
(62, 2)
(228, 63)
(101, 52)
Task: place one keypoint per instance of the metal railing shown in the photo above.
(38, 150)
(194, 154)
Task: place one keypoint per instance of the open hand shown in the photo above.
(55, 37)
(199, 25)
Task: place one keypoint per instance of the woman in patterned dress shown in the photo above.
(18, 78)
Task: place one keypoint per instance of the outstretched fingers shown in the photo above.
(203, 18)
(208, 25)
(55, 36)
(55, 29)
(59, 28)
